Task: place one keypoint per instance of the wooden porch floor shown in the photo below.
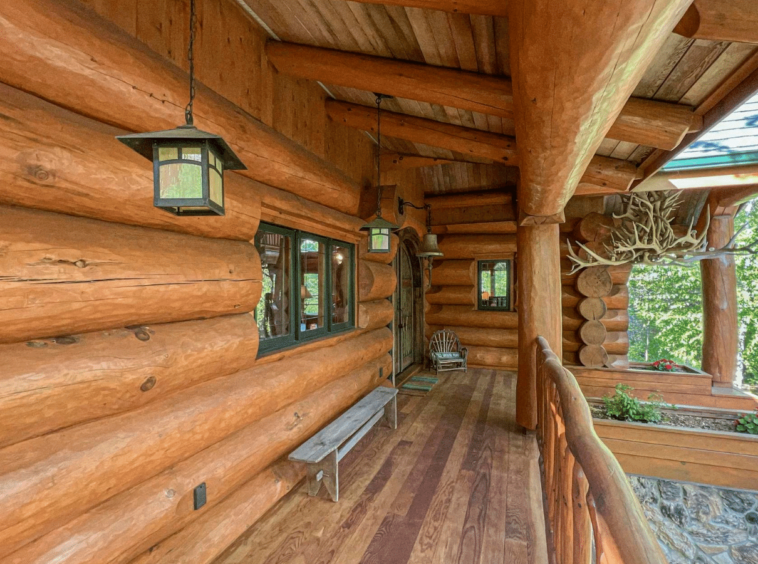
(456, 483)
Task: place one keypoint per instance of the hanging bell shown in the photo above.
(429, 247)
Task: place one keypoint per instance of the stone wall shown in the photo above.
(700, 524)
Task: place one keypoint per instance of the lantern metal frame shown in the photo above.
(149, 144)
(429, 249)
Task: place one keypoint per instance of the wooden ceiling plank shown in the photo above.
(645, 122)
(731, 59)
(689, 69)
(502, 47)
(443, 37)
(721, 20)
(484, 40)
(369, 28)
(425, 36)
(573, 71)
(485, 7)
(463, 36)
(399, 17)
(674, 48)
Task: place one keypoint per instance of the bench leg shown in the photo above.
(390, 414)
(331, 478)
(324, 472)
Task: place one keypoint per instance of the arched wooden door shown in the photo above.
(408, 306)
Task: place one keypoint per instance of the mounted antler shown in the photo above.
(645, 235)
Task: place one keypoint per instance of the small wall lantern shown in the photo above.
(188, 164)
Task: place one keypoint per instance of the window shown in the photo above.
(307, 286)
(495, 284)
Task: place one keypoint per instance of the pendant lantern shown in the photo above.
(429, 249)
(188, 164)
(379, 229)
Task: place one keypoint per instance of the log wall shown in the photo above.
(451, 303)
(130, 352)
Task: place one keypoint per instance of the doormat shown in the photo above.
(422, 384)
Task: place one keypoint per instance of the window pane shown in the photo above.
(495, 284)
(312, 268)
(216, 187)
(380, 240)
(273, 313)
(340, 283)
(181, 180)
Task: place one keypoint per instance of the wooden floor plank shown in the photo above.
(457, 482)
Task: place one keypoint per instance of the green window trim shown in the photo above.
(500, 302)
(297, 335)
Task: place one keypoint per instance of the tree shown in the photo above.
(666, 312)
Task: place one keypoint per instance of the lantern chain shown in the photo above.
(379, 155)
(188, 116)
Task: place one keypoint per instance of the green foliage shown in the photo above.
(665, 308)
(625, 407)
(748, 424)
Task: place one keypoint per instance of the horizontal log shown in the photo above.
(404, 161)
(478, 246)
(571, 359)
(480, 337)
(389, 202)
(375, 281)
(51, 384)
(721, 20)
(613, 174)
(614, 319)
(593, 227)
(384, 258)
(465, 140)
(209, 535)
(64, 275)
(128, 524)
(646, 122)
(454, 273)
(476, 228)
(455, 295)
(618, 298)
(111, 455)
(616, 342)
(102, 72)
(470, 199)
(376, 314)
(473, 214)
(56, 160)
(493, 357)
(289, 210)
(652, 123)
(620, 274)
(466, 316)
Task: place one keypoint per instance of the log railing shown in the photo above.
(587, 493)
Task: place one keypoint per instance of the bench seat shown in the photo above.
(323, 451)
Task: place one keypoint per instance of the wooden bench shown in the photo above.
(323, 451)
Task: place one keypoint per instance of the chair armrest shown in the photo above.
(464, 353)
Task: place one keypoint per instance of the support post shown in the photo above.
(720, 333)
(538, 271)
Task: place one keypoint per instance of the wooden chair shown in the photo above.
(446, 353)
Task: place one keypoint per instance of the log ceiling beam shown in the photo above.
(721, 20)
(735, 176)
(602, 171)
(646, 122)
(482, 7)
(400, 161)
(573, 70)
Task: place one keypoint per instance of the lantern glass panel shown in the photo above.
(181, 180)
(168, 153)
(216, 186)
(380, 240)
(192, 154)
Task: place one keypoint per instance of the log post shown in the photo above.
(539, 309)
(720, 334)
